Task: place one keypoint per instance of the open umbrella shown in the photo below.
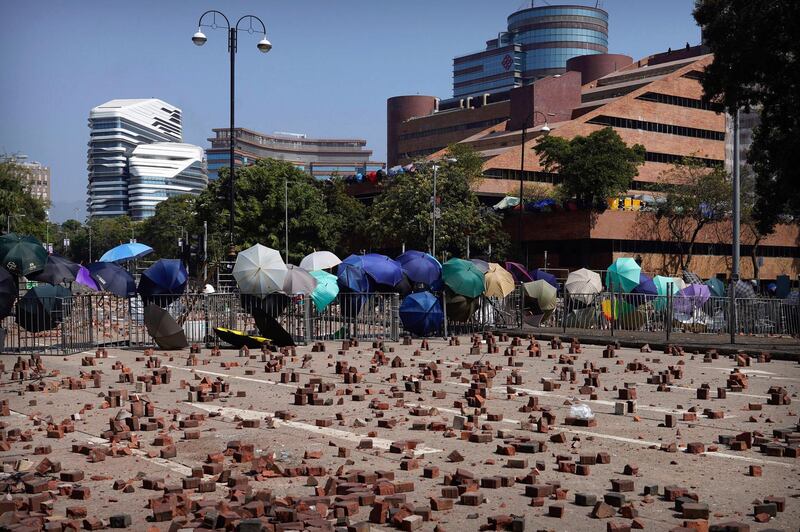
(56, 270)
(382, 270)
(421, 313)
(84, 278)
(126, 252)
(662, 284)
(270, 328)
(584, 318)
(112, 278)
(691, 298)
(691, 277)
(8, 292)
(163, 328)
(498, 281)
(351, 274)
(583, 284)
(460, 308)
(21, 255)
(319, 260)
(298, 281)
(744, 290)
(463, 277)
(519, 272)
(540, 296)
(646, 286)
(716, 287)
(420, 267)
(542, 275)
(482, 265)
(259, 270)
(326, 290)
(616, 308)
(163, 282)
(42, 308)
(623, 275)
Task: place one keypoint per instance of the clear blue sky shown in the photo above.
(332, 67)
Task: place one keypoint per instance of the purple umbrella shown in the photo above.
(85, 279)
(542, 275)
(692, 297)
(519, 272)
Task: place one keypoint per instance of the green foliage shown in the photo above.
(756, 65)
(347, 217)
(25, 212)
(173, 220)
(594, 168)
(402, 212)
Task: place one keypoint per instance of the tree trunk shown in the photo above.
(691, 245)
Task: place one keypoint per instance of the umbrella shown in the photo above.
(239, 339)
(505, 203)
(112, 278)
(351, 274)
(540, 274)
(482, 265)
(540, 296)
(42, 308)
(56, 270)
(381, 269)
(583, 318)
(165, 331)
(21, 255)
(716, 287)
(298, 281)
(618, 308)
(623, 275)
(498, 281)
(259, 270)
(519, 272)
(662, 284)
(269, 327)
(421, 313)
(326, 290)
(646, 286)
(420, 267)
(403, 287)
(166, 279)
(125, 252)
(271, 304)
(691, 298)
(459, 308)
(691, 277)
(8, 292)
(85, 278)
(744, 290)
(319, 260)
(583, 284)
(463, 277)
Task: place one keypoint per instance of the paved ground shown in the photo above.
(323, 450)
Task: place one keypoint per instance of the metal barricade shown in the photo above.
(363, 316)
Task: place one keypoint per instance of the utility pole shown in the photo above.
(736, 223)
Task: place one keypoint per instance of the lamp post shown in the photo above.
(736, 222)
(434, 210)
(286, 216)
(546, 129)
(263, 45)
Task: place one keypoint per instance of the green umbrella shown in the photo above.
(326, 291)
(540, 296)
(623, 275)
(22, 255)
(43, 308)
(716, 287)
(662, 285)
(463, 277)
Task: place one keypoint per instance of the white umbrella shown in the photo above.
(259, 270)
(319, 260)
(298, 281)
(583, 284)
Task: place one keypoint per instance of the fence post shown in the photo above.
(668, 324)
(91, 319)
(395, 317)
(564, 311)
(307, 318)
(613, 307)
(444, 311)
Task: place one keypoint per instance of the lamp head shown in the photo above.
(546, 128)
(264, 45)
(199, 38)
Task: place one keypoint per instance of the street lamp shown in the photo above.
(263, 45)
(545, 129)
(434, 210)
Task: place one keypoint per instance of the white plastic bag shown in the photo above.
(581, 412)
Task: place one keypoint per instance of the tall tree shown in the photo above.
(757, 65)
(402, 211)
(20, 211)
(174, 219)
(348, 217)
(702, 198)
(594, 168)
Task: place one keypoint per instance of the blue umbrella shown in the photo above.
(646, 286)
(112, 278)
(542, 275)
(382, 270)
(420, 267)
(350, 274)
(716, 286)
(519, 272)
(166, 278)
(125, 252)
(421, 313)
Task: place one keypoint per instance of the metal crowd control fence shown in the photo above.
(491, 313)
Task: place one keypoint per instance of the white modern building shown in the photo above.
(117, 128)
(162, 170)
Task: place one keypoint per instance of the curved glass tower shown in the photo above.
(538, 42)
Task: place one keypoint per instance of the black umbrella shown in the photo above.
(269, 327)
(458, 307)
(42, 308)
(165, 331)
(112, 278)
(56, 270)
(403, 287)
(8, 292)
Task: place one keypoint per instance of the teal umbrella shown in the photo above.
(463, 277)
(716, 287)
(623, 275)
(326, 291)
(662, 285)
(22, 255)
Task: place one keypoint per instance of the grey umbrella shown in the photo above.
(298, 281)
(165, 331)
(744, 290)
(691, 277)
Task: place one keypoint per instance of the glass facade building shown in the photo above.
(538, 42)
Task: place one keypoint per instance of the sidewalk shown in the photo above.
(781, 347)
